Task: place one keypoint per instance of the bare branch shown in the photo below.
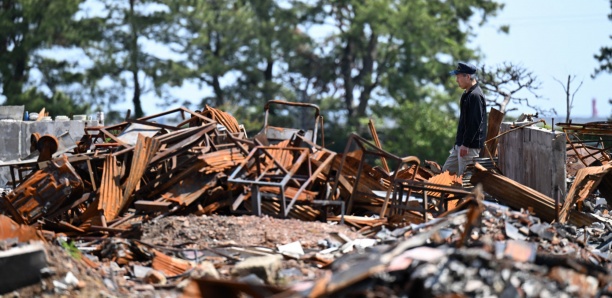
(504, 81)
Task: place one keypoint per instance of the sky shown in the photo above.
(554, 39)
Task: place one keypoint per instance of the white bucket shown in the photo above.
(79, 117)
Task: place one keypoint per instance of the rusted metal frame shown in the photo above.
(118, 221)
(183, 110)
(377, 142)
(18, 166)
(596, 151)
(206, 119)
(74, 159)
(567, 139)
(154, 124)
(323, 142)
(361, 143)
(289, 174)
(91, 175)
(411, 161)
(593, 127)
(74, 204)
(178, 135)
(280, 167)
(426, 187)
(113, 137)
(339, 170)
(17, 217)
(182, 146)
(106, 229)
(270, 156)
(12, 168)
(239, 143)
(256, 183)
(583, 157)
(606, 132)
(312, 178)
(231, 143)
(295, 104)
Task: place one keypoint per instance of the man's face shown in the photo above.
(463, 80)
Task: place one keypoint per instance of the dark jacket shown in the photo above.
(472, 128)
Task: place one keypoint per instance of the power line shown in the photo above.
(552, 17)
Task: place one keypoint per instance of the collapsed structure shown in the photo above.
(426, 228)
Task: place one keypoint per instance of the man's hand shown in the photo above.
(463, 151)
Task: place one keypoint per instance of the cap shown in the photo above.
(463, 67)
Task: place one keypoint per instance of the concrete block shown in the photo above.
(265, 267)
(16, 139)
(21, 266)
(11, 136)
(205, 269)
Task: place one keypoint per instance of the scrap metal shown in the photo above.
(585, 182)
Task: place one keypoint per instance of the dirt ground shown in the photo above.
(213, 231)
(197, 232)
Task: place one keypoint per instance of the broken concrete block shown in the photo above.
(205, 269)
(293, 249)
(265, 267)
(21, 266)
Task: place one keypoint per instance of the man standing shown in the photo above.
(472, 126)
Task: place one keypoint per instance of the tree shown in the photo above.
(120, 61)
(421, 129)
(569, 100)
(503, 84)
(211, 34)
(29, 30)
(391, 49)
(604, 57)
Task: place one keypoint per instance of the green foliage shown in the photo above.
(71, 249)
(58, 104)
(120, 62)
(423, 129)
(604, 57)
(29, 28)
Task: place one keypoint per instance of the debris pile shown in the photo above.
(136, 204)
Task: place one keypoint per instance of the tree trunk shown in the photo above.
(219, 96)
(366, 76)
(267, 83)
(346, 68)
(138, 112)
(567, 99)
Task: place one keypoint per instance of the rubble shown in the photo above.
(200, 209)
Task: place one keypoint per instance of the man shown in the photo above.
(472, 126)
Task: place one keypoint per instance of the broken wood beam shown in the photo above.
(514, 194)
(152, 206)
(586, 181)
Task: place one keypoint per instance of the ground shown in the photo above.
(198, 232)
